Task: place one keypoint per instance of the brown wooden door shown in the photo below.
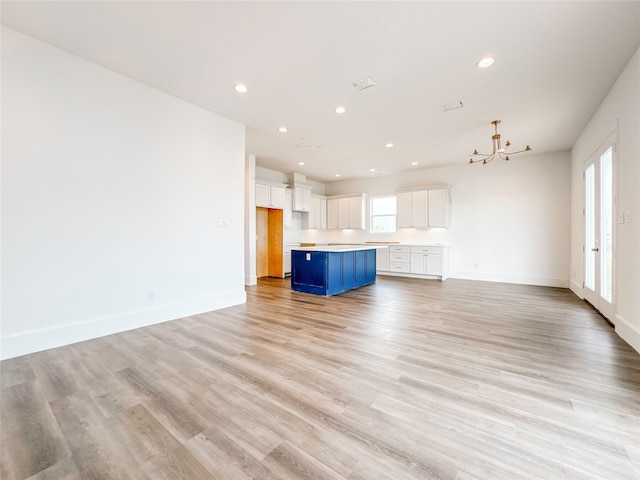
(269, 244)
(262, 242)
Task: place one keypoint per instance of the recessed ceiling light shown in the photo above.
(337, 175)
(282, 129)
(389, 145)
(372, 169)
(340, 109)
(414, 163)
(486, 62)
(240, 88)
(300, 163)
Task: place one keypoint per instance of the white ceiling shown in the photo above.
(555, 62)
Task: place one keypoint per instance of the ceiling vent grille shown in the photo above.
(452, 106)
(364, 83)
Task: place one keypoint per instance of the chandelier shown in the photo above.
(498, 150)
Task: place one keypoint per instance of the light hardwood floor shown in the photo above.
(404, 379)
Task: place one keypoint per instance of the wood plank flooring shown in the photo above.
(404, 379)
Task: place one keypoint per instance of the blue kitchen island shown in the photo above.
(331, 269)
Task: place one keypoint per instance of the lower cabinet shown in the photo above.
(419, 261)
(399, 256)
(382, 260)
(286, 260)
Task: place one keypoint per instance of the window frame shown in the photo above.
(373, 215)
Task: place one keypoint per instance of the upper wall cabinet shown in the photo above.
(423, 208)
(301, 199)
(269, 195)
(287, 214)
(412, 209)
(439, 201)
(346, 212)
(317, 218)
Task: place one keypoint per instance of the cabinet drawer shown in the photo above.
(434, 250)
(399, 257)
(398, 249)
(399, 267)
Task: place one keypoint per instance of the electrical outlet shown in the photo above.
(151, 295)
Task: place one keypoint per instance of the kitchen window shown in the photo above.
(383, 214)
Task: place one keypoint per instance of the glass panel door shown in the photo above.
(599, 229)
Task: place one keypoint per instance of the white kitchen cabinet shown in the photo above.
(287, 214)
(399, 258)
(382, 260)
(412, 209)
(357, 211)
(269, 196)
(317, 216)
(423, 208)
(430, 260)
(343, 213)
(332, 213)
(439, 208)
(301, 199)
(347, 211)
(286, 260)
(418, 261)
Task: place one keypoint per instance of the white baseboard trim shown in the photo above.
(577, 288)
(628, 332)
(520, 279)
(410, 275)
(38, 340)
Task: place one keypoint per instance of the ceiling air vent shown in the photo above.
(452, 106)
(364, 83)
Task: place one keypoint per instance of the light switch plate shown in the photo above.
(627, 217)
(621, 217)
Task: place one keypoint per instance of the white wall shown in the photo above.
(112, 193)
(620, 110)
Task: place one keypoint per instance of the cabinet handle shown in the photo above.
(595, 249)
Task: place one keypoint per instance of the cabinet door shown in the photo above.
(287, 214)
(419, 210)
(301, 199)
(323, 214)
(418, 263)
(403, 210)
(314, 213)
(277, 198)
(286, 262)
(306, 199)
(356, 212)
(439, 208)
(382, 261)
(344, 213)
(263, 195)
(332, 213)
(433, 264)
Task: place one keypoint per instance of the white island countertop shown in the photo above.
(339, 248)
